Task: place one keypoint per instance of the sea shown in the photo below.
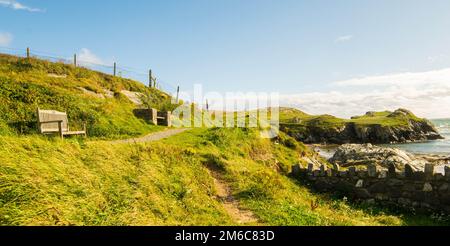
(441, 146)
(438, 147)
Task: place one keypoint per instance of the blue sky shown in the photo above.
(339, 57)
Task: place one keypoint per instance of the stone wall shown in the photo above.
(149, 115)
(421, 191)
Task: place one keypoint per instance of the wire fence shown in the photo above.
(112, 69)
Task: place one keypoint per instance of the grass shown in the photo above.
(26, 84)
(46, 181)
(76, 182)
(386, 118)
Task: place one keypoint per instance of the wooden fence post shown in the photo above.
(115, 69)
(75, 60)
(28, 52)
(150, 78)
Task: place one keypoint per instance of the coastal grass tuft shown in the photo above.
(169, 182)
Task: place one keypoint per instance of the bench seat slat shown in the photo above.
(74, 133)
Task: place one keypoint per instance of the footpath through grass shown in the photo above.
(76, 182)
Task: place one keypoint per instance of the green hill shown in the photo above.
(87, 96)
(218, 176)
(373, 127)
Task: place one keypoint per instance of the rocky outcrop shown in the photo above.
(348, 155)
(367, 154)
(405, 128)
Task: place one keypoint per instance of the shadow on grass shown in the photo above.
(409, 217)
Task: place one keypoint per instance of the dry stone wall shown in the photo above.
(421, 191)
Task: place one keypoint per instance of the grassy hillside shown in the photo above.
(170, 182)
(385, 127)
(385, 118)
(178, 181)
(87, 96)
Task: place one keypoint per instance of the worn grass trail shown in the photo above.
(152, 137)
(229, 202)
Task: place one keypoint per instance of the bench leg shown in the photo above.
(60, 130)
(85, 131)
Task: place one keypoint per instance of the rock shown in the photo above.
(343, 174)
(378, 187)
(296, 169)
(413, 129)
(362, 193)
(359, 184)
(409, 172)
(447, 171)
(372, 171)
(336, 167)
(404, 202)
(367, 154)
(391, 170)
(443, 187)
(370, 201)
(427, 187)
(330, 173)
(352, 171)
(429, 170)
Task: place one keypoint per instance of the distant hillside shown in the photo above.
(373, 127)
(105, 102)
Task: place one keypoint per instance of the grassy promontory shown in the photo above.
(86, 95)
(177, 181)
(373, 127)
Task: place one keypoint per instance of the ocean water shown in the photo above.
(440, 147)
(431, 147)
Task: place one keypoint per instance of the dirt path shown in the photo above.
(231, 205)
(224, 194)
(152, 137)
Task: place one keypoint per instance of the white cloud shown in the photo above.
(345, 38)
(5, 38)
(441, 77)
(86, 58)
(13, 4)
(427, 94)
(436, 58)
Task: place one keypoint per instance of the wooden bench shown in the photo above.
(154, 117)
(164, 118)
(52, 122)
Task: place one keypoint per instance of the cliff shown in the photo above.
(399, 126)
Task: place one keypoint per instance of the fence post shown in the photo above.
(178, 93)
(150, 78)
(28, 52)
(75, 60)
(115, 68)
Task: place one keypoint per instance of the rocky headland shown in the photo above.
(400, 126)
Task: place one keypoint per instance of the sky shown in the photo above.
(341, 57)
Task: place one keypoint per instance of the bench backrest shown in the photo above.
(51, 115)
